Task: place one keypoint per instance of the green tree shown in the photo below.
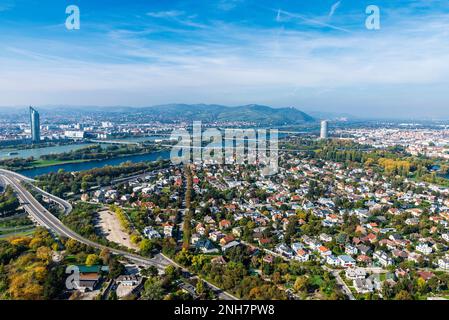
(146, 246)
(92, 259)
(200, 288)
(301, 284)
(153, 289)
(403, 295)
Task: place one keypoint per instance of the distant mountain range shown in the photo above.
(254, 113)
(249, 113)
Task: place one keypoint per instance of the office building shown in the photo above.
(324, 132)
(35, 126)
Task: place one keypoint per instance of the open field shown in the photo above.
(112, 230)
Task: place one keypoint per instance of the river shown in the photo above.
(73, 167)
(36, 153)
(70, 167)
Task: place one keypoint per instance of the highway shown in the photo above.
(44, 218)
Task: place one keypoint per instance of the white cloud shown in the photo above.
(227, 5)
(334, 8)
(312, 21)
(165, 14)
(278, 16)
(231, 64)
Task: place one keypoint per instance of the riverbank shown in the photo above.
(92, 164)
(87, 154)
(43, 149)
(44, 163)
(38, 151)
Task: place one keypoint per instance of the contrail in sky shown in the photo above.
(334, 8)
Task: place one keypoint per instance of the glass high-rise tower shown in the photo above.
(323, 132)
(35, 126)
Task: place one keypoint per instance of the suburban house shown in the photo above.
(355, 273)
(219, 260)
(268, 259)
(324, 251)
(346, 261)
(284, 250)
(237, 231)
(128, 280)
(364, 249)
(424, 248)
(216, 235)
(224, 224)
(150, 233)
(383, 258)
(332, 260)
(301, 255)
(230, 245)
(206, 246)
(168, 229)
(363, 285)
(89, 277)
(445, 236)
(297, 246)
(325, 237)
(351, 250)
(227, 239)
(195, 238)
(443, 263)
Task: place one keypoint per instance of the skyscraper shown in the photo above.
(323, 132)
(35, 125)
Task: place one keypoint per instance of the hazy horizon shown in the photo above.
(312, 112)
(314, 56)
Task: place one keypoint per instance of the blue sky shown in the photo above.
(313, 55)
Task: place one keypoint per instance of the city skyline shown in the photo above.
(315, 57)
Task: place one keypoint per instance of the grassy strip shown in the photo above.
(16, 228)
(48, 163)
(22, 233)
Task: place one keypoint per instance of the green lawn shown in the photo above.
(70, 259)
(46, 163)
(18, 233)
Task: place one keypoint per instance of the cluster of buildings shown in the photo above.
(428, 142)
(388, 223)
(13, 133)
(54, 128)
(76, 125)
(94, 279)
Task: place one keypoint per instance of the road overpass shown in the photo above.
(44, 218)
(65, 205)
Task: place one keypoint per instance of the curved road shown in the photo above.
(63, 203)
(48, 220)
